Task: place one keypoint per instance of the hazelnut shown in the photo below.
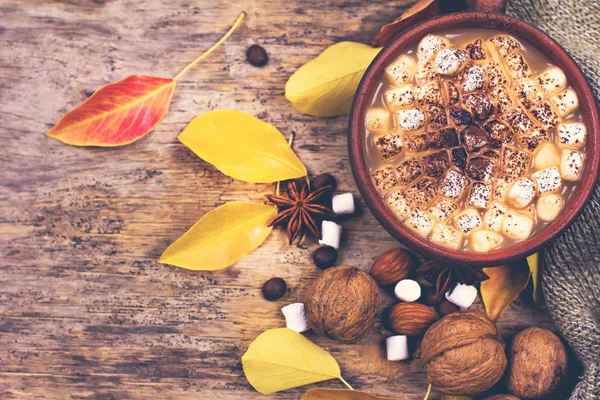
(325, 257)
(257, 56)
(392, 266)
(502, 397)
(323, 180)
(273, 289)
(463, 354)
(446, 308)
(341, 303)
(538, 364)
(411, 319)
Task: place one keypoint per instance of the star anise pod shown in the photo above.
(300, 209)
(445, 277)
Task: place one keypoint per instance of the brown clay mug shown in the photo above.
(485, 14)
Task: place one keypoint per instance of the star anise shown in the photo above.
(445, 277)
(300, 209)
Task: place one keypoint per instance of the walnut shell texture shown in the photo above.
(411, 319)
(392, 266)
(463, 354)
(341, 303)
(538, 363)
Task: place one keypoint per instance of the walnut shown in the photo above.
(538, 363)
(463, 354)
(341, 303)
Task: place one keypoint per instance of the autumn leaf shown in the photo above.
(221, 237)
(534, 263)
(325, 86)
(422, 10)
(242, 146)
(280, 359)
(340, 394)
(122, 112)
(503, 287)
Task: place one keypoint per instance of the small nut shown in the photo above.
(325, 257)
(323, 180)
(274, 289)
(392, 266)
(537, 364)
(411, 319)
(446, 308)
(432, 298)
(257, 56)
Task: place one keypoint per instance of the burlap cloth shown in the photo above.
(571, 264)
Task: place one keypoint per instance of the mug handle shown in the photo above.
(495, 6)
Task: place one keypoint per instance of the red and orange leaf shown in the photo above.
(422, 10)
(118, 113)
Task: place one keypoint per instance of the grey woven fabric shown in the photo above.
(571, 264)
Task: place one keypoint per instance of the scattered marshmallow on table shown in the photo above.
(295, 317)
(331, 234)
(397, 348)
(462, 295)
(343, 204)
(407, 290)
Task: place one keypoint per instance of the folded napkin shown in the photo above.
(571, 264)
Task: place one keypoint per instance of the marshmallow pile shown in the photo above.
(475, 147)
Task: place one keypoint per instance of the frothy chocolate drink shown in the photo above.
(474, 139)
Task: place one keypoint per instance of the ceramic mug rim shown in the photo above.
(357, 137)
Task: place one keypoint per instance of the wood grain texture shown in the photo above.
(86, 312)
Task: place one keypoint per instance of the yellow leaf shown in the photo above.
(325, 86)
(340, 394)
(533, 262)
(503, 287)
(281, 359)
(221, 237)
(242, 146)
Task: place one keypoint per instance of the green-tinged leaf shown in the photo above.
(221, 237)
(325, 86)
(280, 359)
(242, 146)
(503, 287)
(533, 262)
(340, 394)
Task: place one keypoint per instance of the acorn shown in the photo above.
(325, 257)
(274, 289)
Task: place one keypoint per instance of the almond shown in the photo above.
(392, 266)
(411, 319)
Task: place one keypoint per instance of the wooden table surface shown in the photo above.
(85, 309)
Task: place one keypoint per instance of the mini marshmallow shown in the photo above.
(343, 204)
(572, 134)
(407, 290)
(295, 317)
(462, 295)
(571, 164)
(397, 348)
(331, 233)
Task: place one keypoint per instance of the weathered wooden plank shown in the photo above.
(85, 310)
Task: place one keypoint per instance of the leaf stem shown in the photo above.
(207, 52)
(428, 392)
(345, 383)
